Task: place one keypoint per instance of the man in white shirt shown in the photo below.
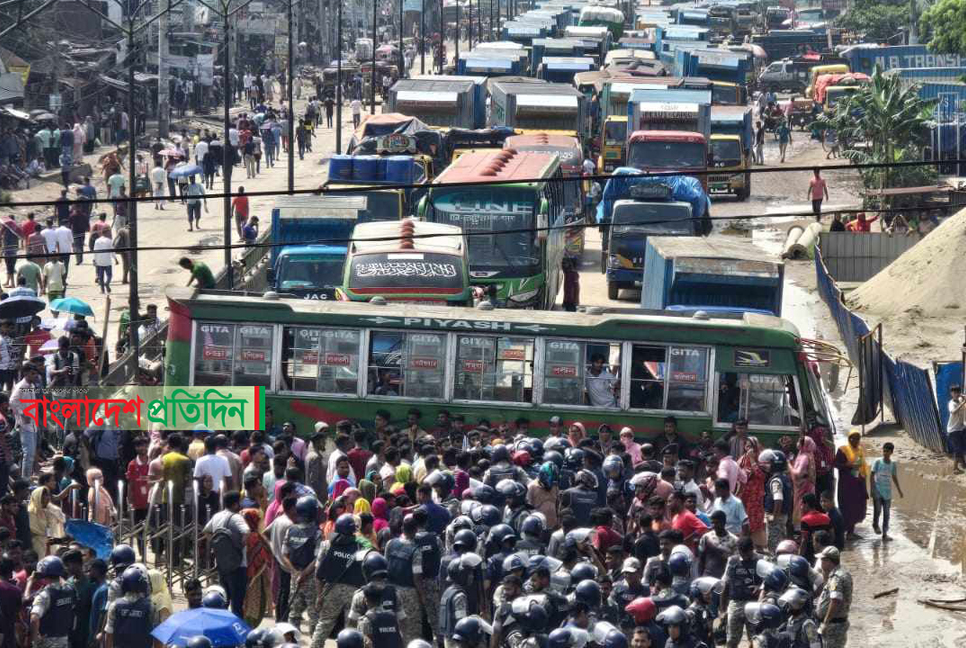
(600, 382)
(343, 443)
(50, 237)
(356, 106)
(158, 179)
(233, 136)
(201, 150)
(956, 426)
(213, 465)
(104, 259)
(65, 246)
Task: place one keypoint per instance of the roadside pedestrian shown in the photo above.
(853, 472)
(329, 109)
(356, 107)
(80, 224)
(956, 426)
(65, 245)
(837, 225)
(759, 156)
(120, 211)
(250, 231)
(55, 278)
(571, 285)
(11, 245)
(883, 476)
(817, 190)
(228, 532)
(239, 207)
(784, 136)
(249, 152)
(200, 273)
(195, 196)
(158, 176)
(104, 260)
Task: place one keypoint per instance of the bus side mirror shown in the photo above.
(271, 276)
(543, 220)
(421, 208)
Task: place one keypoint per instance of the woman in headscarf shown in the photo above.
(361, 506)
(258, 595)
(160, 596)
(99, 501)
(380, 515)
(404, 475)
(46, 520)
(275, 506)
(338, 488)
(336, 508)
(853, 473)
(803, 475)
(352, 495)
(79, 138)
(633, 448)
(752, 492)
(368, 490)
(90, 134)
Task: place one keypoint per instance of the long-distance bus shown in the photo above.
(327, 361)
(506, 224)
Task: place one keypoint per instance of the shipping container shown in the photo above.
(864, 58)
(538, 106)
(910, 76)
(950, 97)
(479, 94)
(561, 69)
(714, 275)
(440, 102)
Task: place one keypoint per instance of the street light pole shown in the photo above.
(402, 57)
(133, 305)
(422, 37)
(375, 20)
(338, 83)
(291, 104)
(227, 159)
(457, 39)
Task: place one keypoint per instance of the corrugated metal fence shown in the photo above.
(909, 388)
(851, 256)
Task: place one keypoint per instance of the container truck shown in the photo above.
(714, 275)
(538, 106)
(634, 207)
(479, 94)
(732, 138)
(864, 58)
(440, 102)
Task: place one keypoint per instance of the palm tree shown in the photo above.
(888, 117)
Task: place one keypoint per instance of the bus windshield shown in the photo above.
(615, 132)
(492, 210)
(309, 272)
(636, 218)
(666, 155)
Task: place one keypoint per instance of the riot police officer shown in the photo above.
(515, 495)
(531, 533)
(678, 627)
(741, 582)
(800, 630)
(582, 498)
(375, 569)
(430, 556)
(501, 468)
(778, 495)
(299, 546)
(52, 612)
(130, 618)
(405, 573)
(122, 557)
(378, 627)
(455, 604)
(470, 632)
(764, 618)
(339, 571)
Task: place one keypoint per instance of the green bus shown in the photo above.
(506, 225)
(328, 361)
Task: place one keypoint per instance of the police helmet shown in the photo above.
(798, 567)
(560, 638)
(500, 453)
(346, 524)
(461, 522)
(486, 515)
(442, 480)
(536, 449)
(555, 444)
(529, 612)
(583, 571)
(469, 630)
(307, 508)
(133, 581)
(776, 580)
(374, 565)
(786, 547)
(702, 585)
(553, 457)
(121, 556)
(350, 638)
(673, 616)
(548, 474)
(199, 641)
(459, 573)
(50, 567)
(641, 609)
(772, 460)
(615, 639)
(511, 489)
(502, 533)
(588, 593)
(613, 467)
(465, 539)
(513, 562)
(483, 494)
(587, 478)
(679, 564)
(574, 458)
(793, 600)
(264, 638)
(534, 525)
(763, 616)
(214, 600)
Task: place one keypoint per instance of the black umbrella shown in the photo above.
(21, 306)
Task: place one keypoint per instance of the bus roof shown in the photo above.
(521, 142)
(508, 164)
(666, 136)
(750, 329)
(448, 239)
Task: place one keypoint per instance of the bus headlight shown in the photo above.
(613, 261)
(524, 296)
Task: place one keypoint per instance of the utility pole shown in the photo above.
(227, 159)
(402, 25)
(164, 101)
(442, 39)
(422, 36)
(457, 39)
(338, 81)
(375, 21)
(134, 308)
(291, 104)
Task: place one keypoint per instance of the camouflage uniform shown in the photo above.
(412, 626)
(358, 608)
(838, 586)
(305, 596)
(342, 583)
(776, 531)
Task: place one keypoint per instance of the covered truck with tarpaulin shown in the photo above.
(634, 207)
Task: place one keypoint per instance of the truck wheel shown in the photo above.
(613, 288)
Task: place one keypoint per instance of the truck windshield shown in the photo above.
(405, 270)
(634, 219)
(615, 132)
(666, 155)
(380, 205)
(490, 211)
(725, 152)
(726, 95)
(297, 273)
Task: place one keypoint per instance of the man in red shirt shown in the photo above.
(685, 521)
(239, 207)
(861, 223)
(138, 485)
(813, 521)
(29, 226)
(359, 456)
(817, 190)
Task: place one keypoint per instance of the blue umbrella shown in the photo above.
(186, 170)
(220, 626)
(71, 305)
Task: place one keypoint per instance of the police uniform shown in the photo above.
(453, 607)
(582, 501)
(838, 586)
(779, 487)
(358, 607)
(300, 545)
(405, 561)
(527, 546)
(130, 620)
(701, 622)
(55, 606)
(430, 553)
(515, 517)
(379, 629)
(800, 632)
(621, 595)
(340, 571)
(742, 582)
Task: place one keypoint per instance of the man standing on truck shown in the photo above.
(817, 190)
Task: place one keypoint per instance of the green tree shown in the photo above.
(882, 122)
(943, 24)
(877, 20)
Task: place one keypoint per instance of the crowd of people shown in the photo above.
(457, 536)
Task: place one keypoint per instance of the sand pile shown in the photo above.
(928, 280)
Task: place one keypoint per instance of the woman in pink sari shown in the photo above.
(380, 515)
(275, 506)
(803, 475)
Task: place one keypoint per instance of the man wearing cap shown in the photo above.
(834, 601)
(315, 465)
(628, 588)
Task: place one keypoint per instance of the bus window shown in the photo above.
(581, 373)
(669, 378)
(253, 355)
(406, 364)
(320, 360)
(494, 369)
(762, 399)
(214, 354)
